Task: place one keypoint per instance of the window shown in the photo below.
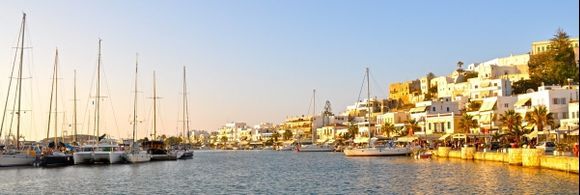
(429, 126)
(562, 100)
(495, 84)
(476, 86)
(448, 125)
(506, 105)
(564, 115)
(433, 109)
(447, 109)
(555, 100)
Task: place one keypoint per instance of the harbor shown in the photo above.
(277, 97)
(267, 172)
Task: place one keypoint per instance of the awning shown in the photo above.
(532, 134)
(406, 139)
(487, 105)
(445, 136)
(460, 136)
(522, 102)
(418, 109)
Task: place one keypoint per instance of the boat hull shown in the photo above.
(315, 150)
(188, 154)
(377, 152)
(9, 160)
(83, 158)
(56, 160)
(137, 157)
(162, 157)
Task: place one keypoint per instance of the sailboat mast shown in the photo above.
(75, 106)
(50, 103)
(154, 107)
(185, 121)
(135, 97)
(313, 114)
(369, 103)
(56, 98)
(20, 82)
(98, 98)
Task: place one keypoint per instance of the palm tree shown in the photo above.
(466, 123)
(388, 128)
(412, 126)
(352, 131)
(541, 118)
(512, 122)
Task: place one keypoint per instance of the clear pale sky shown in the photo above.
(254, 61)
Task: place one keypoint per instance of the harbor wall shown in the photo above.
(514, 156)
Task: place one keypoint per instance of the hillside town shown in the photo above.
(472, 104)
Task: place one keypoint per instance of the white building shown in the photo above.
(555, 98)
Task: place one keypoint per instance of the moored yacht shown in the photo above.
(107, 151)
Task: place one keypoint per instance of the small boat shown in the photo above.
(378, 151)
(159, 152)
(314, 148)
(54, 156)
(17, 155)
(287, 148)
(135, 154)
(104, 152)
(186, 148)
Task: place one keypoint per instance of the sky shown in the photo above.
(252, 61)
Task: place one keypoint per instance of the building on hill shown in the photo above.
(543, 46)
(555, 98)
(513, 67)
(404, 90)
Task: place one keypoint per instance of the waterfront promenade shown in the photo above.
(527, 157)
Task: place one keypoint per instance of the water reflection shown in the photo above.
(291, 173)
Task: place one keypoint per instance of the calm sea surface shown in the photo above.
(268, 172)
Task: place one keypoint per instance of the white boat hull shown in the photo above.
(137, 157)
(377, 151)
(9, 160)
(83, 157)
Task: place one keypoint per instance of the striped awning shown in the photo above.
(522, 101)
(487, 105)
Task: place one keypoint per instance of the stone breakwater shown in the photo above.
(515, 156)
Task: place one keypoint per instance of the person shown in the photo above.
(576, 149)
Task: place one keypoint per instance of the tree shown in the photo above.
(466, 123)
(223, 139)
(522, 86)
(412, 127)
(556, 64)
(512, 122)
(541, 118)
(470, 74)
(173, 140)
(387, 129)
(474, 106)
(352, 131)
(275, 136)
(287, 135)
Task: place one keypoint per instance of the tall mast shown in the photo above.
(51, 98)
(56, 98)
(20, 81)
(135, 98)
(313, 114)
(75, 106)
(154, 107)
(98, 98)
(369, 104)
(185, 108)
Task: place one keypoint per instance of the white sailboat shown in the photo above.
(16, 155)
(135, 154)
(101, 151)
(314, 147)
(372, 149)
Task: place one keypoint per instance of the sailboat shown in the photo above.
(135, 154)
(101, 150)
(313, 147)
(55, 154)
(187, 152)
(158, 148)
(16, 155)
(372, 149)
